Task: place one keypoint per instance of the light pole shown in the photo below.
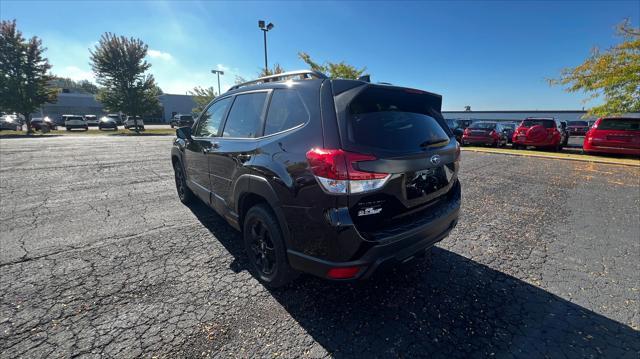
(218, 72)
(264, 29)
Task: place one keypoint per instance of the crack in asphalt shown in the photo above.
(103, 260)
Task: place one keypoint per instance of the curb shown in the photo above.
(590, 159)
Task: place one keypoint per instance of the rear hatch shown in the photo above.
(617, 132)
(406, 137)
(536, 130)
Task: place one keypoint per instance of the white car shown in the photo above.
(75, 121)
(131, 124)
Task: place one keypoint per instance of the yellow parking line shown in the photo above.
(558, 156)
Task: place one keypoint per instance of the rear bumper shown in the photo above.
(479, 140)
(590, 148)
(70, 126)
(534, 143)
(397, 248)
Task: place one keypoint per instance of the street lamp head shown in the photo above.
(270, 26)
(261, 24)
(217, 72)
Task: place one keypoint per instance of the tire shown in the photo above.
(184, 193)
(265, 247)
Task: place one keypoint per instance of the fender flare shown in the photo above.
(252, 184)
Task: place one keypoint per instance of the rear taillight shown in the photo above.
(336, 174)
(467, 131)
(493, 134)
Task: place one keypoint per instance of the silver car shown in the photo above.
(75, 121)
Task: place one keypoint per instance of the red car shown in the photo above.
(618, 135)
(485, 133)
(540, 132)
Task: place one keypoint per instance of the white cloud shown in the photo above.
(155, 54)
(75, 73)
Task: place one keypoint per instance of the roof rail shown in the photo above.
(282, 77)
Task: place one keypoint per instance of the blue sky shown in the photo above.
(489, 55)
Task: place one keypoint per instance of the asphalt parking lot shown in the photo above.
(98, 256)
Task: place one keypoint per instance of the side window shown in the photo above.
(285, 111)
(211, 119)
(244, 118)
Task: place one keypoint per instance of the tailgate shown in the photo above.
(404, 130)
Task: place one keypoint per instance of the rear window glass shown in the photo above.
(394, 120)
(622, 124)
(578, 123)
(186, 118)
(536, 122)
(509, 125)
(74, 118)
(244, 118)
(483, 125)
(286, 111)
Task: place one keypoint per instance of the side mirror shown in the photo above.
(183, 133)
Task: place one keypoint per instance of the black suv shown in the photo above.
(328, 177)
(180, 120)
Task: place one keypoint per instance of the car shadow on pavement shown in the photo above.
(452, 307)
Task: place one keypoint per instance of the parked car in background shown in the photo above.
(75, 121)
(37, 123)
(578, 128)
(131, 123)
(485, 133)
(542, 132)
(616, 135)
(336, 178)
(456, 128)
(180, 120)
(10, 122)
(116, 117)
(508, 128)
(92, 120)
(107, 123)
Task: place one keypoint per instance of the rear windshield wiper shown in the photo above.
(434, 143)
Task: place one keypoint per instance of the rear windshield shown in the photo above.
(483, 125)
(394, 120)
(186, 118)
(74, 118)
(578, 123)
(509, 125)
(536, 122)
(622, 124)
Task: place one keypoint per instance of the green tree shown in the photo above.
(83, 86)
(202, 96)
(24, 73)
(119, 65)
(277, 69)
(613, 74)
(335, 70)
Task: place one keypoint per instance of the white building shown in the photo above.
(519, 115)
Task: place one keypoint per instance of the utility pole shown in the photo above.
(265, 28)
